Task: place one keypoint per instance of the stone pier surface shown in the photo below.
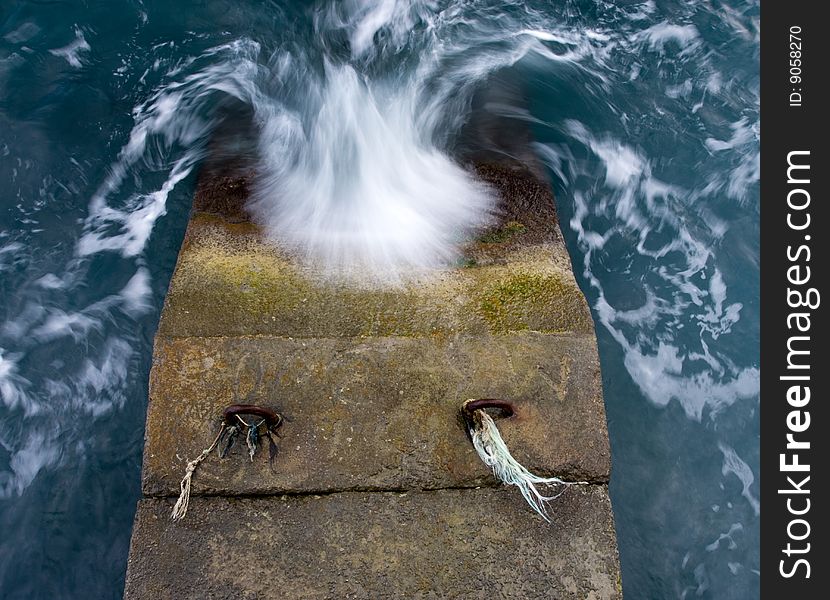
(376, 491)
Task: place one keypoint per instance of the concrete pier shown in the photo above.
(376, 491)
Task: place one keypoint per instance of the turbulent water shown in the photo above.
(355, 115)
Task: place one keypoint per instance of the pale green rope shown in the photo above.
(493, 451)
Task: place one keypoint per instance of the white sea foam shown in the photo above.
(7, 254)
(735, 465)
(12, 384)
(98, 385)
(357, 178)
(623, 164)
(73, 50)
(59, 323)
(742, 134)
(95, 388)
(14, 329)
(364, 19)
(136, 295)
(38, 452)
(133, 299)
(634, 204)
(135, 222)
(727, 537)
(745, 172)
(50, 281)
(23, 33)
(658, 36)
(660, 377)
(171, 117)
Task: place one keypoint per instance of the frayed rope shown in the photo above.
(494, 453)
(233, 424)
(180, 509)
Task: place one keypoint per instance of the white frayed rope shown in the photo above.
(180, 509)
(493, 451)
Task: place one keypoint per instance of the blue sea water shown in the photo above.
(645, 114)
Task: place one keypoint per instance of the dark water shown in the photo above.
(646, 114)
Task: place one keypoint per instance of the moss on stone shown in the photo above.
(542, 302)
(229, 281)
(503, 233)
(249, 283)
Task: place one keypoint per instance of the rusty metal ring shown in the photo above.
(272, 418)
(470, 406)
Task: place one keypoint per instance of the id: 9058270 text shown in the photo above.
(796, 60)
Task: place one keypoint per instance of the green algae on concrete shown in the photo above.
(470, 544)
(503, 233)
(535, 301)
(230, 281)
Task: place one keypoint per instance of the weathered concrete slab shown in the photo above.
(378, 413)
(372, 380)
(445, 544)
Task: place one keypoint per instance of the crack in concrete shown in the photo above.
(348, 490)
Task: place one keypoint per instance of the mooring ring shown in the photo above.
(273, 419)
(473, 404)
